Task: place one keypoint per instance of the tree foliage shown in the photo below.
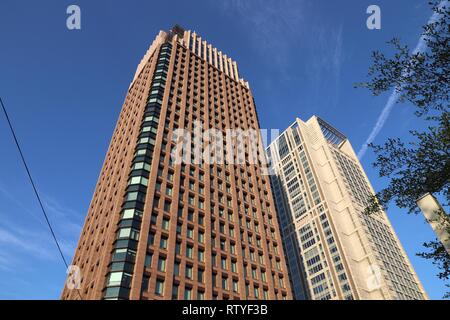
(421, 164)
(417, 167)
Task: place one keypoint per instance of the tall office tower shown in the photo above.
(333, 249)
(158, 229)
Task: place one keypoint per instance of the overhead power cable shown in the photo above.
(34, 186)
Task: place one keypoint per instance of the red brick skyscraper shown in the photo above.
(161, 230)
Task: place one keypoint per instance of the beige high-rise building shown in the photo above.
(333, 249)
(158, 229)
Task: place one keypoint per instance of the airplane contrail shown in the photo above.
(420, 47)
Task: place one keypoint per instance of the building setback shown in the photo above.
(160, 230)
(333, 249)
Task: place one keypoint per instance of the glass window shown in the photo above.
(162, 264)
(200, 275)
(148, 260)
(151, 238)
(165, 224)
(130, 213)
(132, 196)
(176, 268)
(138, 180)
(214, 280)
(175, 292)
(188, 293)
(145, 281)
(224, 263)
(115, 278)
(256, 291)
(159, 288)
(167, 205)
(224, 283)
(189, 272)
(235, 286)
(163, 243)
(135, 196)
(128, 233)
(189, 251)
(201, 256)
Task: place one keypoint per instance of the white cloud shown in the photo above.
(287, 36)
(32, 237)
(270, 24)
(26, 241)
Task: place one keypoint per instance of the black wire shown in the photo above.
(34, 186)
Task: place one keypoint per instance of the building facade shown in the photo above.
(333, 249)
(158, 229)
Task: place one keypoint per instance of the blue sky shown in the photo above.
(64, 90)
